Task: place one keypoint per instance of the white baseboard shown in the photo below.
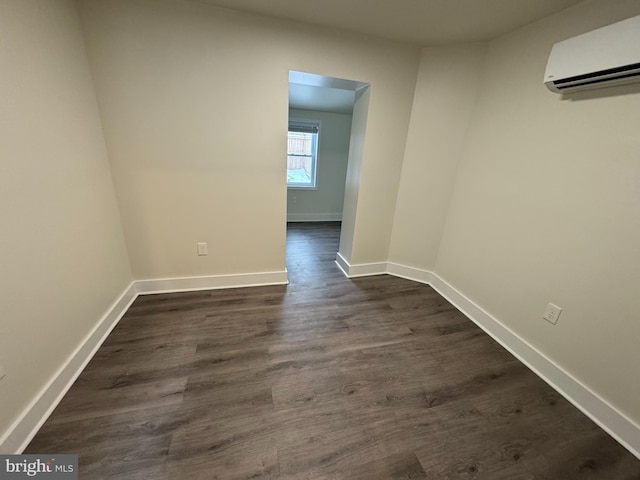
(410, 273)
(620, 427)
(25, 427)
(212, 282)
(18, 436)
(314, 217)
(610, 419)
(361, 269)
(342, 264)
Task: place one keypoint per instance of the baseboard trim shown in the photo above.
(410, 273)
(211, 282)
(605, 415)
(614, 422)
(342, 264)
(26, 426)
(360, 269)
(314, 217)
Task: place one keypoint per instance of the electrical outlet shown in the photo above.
(2, 373)
(202, 249)
(552, 313)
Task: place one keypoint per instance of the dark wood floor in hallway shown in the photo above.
(326, 378)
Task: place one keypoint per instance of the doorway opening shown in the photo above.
(325, 116)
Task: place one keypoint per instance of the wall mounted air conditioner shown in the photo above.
(604, 57)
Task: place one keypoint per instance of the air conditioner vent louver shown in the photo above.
(609, 76)
(604, 57)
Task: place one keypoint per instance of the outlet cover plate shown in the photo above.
(552, 313)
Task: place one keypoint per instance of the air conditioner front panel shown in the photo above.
(608, 55)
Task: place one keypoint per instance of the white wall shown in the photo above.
(354, 172)
(546, 206)
(194, 105)
(537, 197)
(324, 202)
(62, 252)
(444, 100)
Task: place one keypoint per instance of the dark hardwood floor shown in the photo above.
(326, 378)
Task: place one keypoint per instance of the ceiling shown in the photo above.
(308, 97)
(309, 91)
(421, 22)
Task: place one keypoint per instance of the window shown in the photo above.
(302, 158)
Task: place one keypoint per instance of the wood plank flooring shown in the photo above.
(326, 378)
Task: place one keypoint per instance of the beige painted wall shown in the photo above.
(444, 101)
(194, 105)
(333, 152)
(62, 252)
(546, 208)
(354, 172)
(541, 194)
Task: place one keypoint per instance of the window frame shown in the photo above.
(315, 153)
